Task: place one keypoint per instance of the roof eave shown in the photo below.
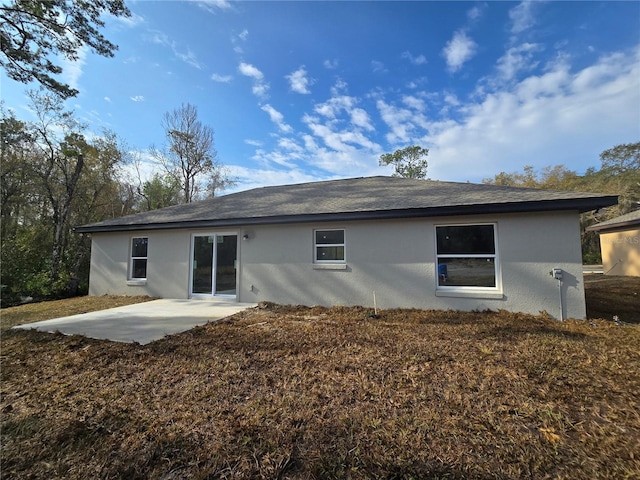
(579, 204)
(613, 226)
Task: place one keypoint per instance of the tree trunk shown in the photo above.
(62, 219)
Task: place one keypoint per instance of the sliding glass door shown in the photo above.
(225, 265)
(213, 264)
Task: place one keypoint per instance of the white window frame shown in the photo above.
(469, 290)
(132, 258)
(316, 246)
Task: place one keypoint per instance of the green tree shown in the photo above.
(15, 174)
(409, 162)
(53, 178)
(622, 159)
(619, 175)
(98, 196)
(621, 171)
(557, 177)
(159, 192)
(34, 32)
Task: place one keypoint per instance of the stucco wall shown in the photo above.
(396, 259)
(621, 252)
(167, 264)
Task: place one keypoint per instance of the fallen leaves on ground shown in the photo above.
(316, 393)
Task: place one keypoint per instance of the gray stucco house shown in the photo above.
(415, 243)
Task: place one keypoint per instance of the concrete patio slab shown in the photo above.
(142, 322)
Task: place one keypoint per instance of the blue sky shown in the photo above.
(301, 91)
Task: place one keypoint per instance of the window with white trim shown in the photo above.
(138, 263)
(329, 246)
(467, 257)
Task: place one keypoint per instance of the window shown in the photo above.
(329, 246)
(467, 257)
(138, 265)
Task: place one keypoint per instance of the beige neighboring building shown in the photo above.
(411, 243)
(620, 244)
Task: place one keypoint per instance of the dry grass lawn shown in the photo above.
(316, 393)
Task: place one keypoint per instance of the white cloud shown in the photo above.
(290, 145)
(214, 6)
(260, 90)
(459, 50)
(338, 87)
(595, 75)
(574, 115)
(378, 67)
(337, 145)
(249, 178)
(236, 40)
(335, 106)
(159, 38)
(414, 102)
(107, 99)
(403, 122)
(522, 17)
(330, 64)
(249, 70)
(360, 118)
(275, 157)
(517, 59)
(299, 82)
(260, 87)
(475, 13)
(451, 99)
(550, 84)
(450, 103)
(341, 141)
(188, 57)
(277, 118)
(253, 143)
(332, 107)
(72, 69)
(137, 98)
(419, 60)
(221, 78)
(132, 21)
(347, 161)
(417, 82)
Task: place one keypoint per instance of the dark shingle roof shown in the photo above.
(353, 199)
(627, 220)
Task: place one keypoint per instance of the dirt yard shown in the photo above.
(609, 296)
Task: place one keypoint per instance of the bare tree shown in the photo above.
(190, 155)
(219, 180)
